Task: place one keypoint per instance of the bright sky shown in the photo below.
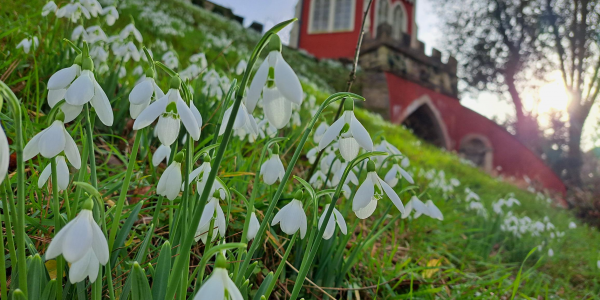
(271, 12)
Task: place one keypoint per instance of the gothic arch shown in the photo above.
(399, 19)
(478, 149)
(426, 122)
(382, 14)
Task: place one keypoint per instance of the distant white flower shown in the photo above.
(93, 6)
(27, 43)
(417, 205)
(170, 181)
(126, 51)
(433, 211)
(352, 134)
(572, 225)
(253, 227)
(171, 111)
(241, 67)
(320, 131)
(170, 60)
(50, 7)
(317, 179)
(272, 169)
(279, 86)
(312, 155)
(51, 142)
(369, 193)
(111, 14)
(82, 243)
(199, 59)
(162, 153)
(336, 218)
(79, 32)
(396, 173)
(62, 172)
(142, 94)
(219, 286)
(4, 155)
(131, 30)
(211, 210)
(291, 218)
(454, 182)
(598, 264)
(86, 89)
(243, 120)
(73, 11)
(339, 168)
(95, 34)
(550, 252)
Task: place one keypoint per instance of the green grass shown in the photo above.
(477, 260)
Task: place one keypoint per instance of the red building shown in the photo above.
(409, 87)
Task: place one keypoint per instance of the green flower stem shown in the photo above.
(15, 106)
(56, 208)
(80, 178)
(281, 266)
(314, 248)
(3, 289)
(286, 176)
(214, 250)
(124, 188)
(186, 241)
(8, 205)
(90, 145)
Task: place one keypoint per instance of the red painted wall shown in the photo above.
(514, 158)
(339, 44)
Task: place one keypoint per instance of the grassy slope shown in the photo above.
(478, 259)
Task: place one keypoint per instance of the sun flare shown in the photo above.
(553, 96)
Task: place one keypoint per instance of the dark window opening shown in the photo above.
(474, 150)
(424, 125)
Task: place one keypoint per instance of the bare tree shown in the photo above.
(572, 33)
(496, 42)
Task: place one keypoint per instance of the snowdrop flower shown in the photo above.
(417, 205)
(143, 93)
(51, 142)
(598, 264)
(291, 217)
(211, 210)
(253, 227)
(433, 211)
(171, 179)
(369, 193)
(219, 286)
(550, 252)
(455, 182)
(320, 131)
(93, 6)
(99, 55)
(352, 134)
(95, 34)
(241, 67)
(82, 243)
(170, 60)
(272, 169)
(339, 168)
(317, 179)
(396, 173)
(58, 84)
(243, 120)
(27, 43)
(86, 89)
(131, 30)
(126, 51)
(199, 59)
(73, 11)
(48, 8)
(279, 86)
(171, 111)
(62, 172)
(111, 14)
(312, 155)
(161, 154)
(4, 155)
(572, 224)
(78, 32)
(336, 217)
(296, 120)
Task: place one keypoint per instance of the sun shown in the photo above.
(553, 96)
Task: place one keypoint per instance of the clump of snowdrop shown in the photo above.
(48, 8)
(279, 86)
(272, 169)
(170, 60)
(351, 133)
(130, 30)
(428, 209)
(82, 243)
(171, 110)
(111, 14)
(318, 179)
(291, 217)
(369, 193)
(336, 218)
(244, 121)
(219, 285)
(27, 43)
(73, 11)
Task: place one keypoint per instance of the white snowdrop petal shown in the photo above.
(256, 86)
(79, 269)
(93, 268)
(361, 135)
(79, 240)
(188, 119)
(99, 243)
(161, 154)
(406, 176)
(213, 288)
(136, 110)
(332, 133)
(277, 109)
(234, 292)
(142, 92)
(366, 211)
(434, 211)
(220, 221)
(71, 111)
(173, 181)
(287, 81)
(339, 218)
(62, 78)
(62, 172)
(81, 90)
(392, 195)
(253, 227)
(102, 106)
(364, 194)
(151, 113)
(158, 93)
(54, 96)
(167, 130)
(52, 141)
(44, 176)
(71, 151)
(348, 148)
(32, 148)
(56, 245)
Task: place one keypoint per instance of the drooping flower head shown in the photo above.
(336, 218)
(219, 286)
(291, 217)
(171, 179)
(253, 226)
(352, 134)
(395, 174)
(212, 210)
(83, 244)
(279, 86)
(272, 169)
(52, 141)
(143, 93)
(369, 193)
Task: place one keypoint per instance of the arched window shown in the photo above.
(382, 12)
(342, 15)
(399, 22)
(320, 15)
(477, 149)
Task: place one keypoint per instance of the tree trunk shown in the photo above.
(525, 126)
(574, 157)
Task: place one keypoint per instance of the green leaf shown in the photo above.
(18, 295)
(140, 289)
(49, 291)
(124, 232)
(161, 279)
(36, 277)
(264, 286)
(138, 257)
